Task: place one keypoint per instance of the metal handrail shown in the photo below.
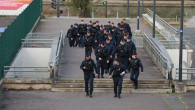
(169, 28)
(163, 59)
(23, 69)
(57, 58)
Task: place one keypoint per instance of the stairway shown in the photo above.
(106, 85)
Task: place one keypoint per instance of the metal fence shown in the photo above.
(26, 72)
(189, 72)
(61, 44)
(168, 31)
(10, 39)
(158, 57)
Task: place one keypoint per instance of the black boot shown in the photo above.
(136, 87)
(115, 95)
(90, 95)
(102, 76)
(106, 71)
(119, 95)
(87, 94)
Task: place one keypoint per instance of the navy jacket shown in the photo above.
(139, 63)
(122, 67)
(111, 49)
(131, 47)
(86, 71)
(97, 56)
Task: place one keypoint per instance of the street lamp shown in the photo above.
(181, 42)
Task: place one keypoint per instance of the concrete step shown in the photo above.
(125, 81)
(101, 85)
(110, 90)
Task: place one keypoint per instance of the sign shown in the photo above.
(13, 7)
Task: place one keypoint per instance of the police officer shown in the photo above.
(127, 27)
(104, 36)
(69, 38)
(112, 28)
(118, 71)
(111, 53)
(88, 67)
(123, 53)
(134, 66)
(74, 35)
(88, 43)
(93, 30)
(81, 32)
(109, 27)
(131, 46)
(102, 58)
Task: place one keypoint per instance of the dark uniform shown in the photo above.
(131, 47)
(68, 35)
(74, 35)
(88, 74)
(111, 53)
(88, 44)
(117, 78)
(81, 30)
(123, 54)
(101, 52)
(134, 66)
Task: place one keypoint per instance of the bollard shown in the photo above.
(68, 12)
(117, 14)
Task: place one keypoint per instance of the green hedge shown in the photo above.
(10, 39)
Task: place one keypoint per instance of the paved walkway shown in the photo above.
(188, 99)
(44, 100)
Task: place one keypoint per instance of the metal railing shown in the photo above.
(41, 35)
(26, 72)
(37, 43)
(61, 44)
(167, 26)
(188, 71)
(137, 39)
(165, 29)
(162, 62)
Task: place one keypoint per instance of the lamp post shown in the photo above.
(138, 15)
(181, 42)
(154, 13)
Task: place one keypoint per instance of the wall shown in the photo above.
(174, 54)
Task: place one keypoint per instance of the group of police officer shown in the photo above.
(115, 52)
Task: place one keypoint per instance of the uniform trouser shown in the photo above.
(78, 40)
(88, 50)
(72, 42)
(134, 76)
(110, 63)
(124, 61)
(89, 78)
(96, 44)
(101, 64)
(81, 40)
(118, 82)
